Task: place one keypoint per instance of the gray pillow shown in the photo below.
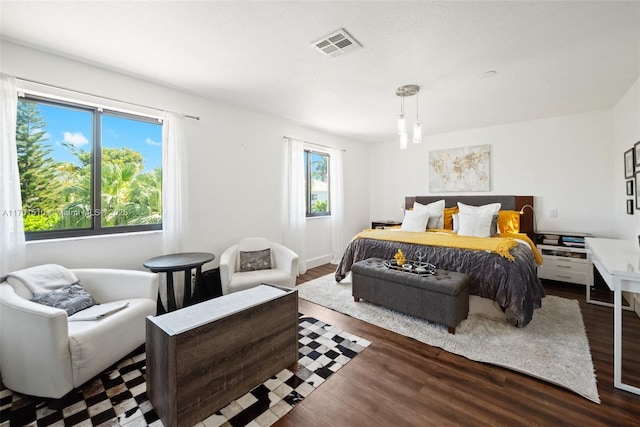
(433, 221)
(255, 260)
(72, 298)
(494, 226)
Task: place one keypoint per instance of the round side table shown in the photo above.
(184, 261)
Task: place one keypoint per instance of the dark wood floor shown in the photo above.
(398, 381)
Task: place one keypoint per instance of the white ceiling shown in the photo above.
(552, 58)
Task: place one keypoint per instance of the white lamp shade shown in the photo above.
(403, 141)
(417, 133)
(402, 124)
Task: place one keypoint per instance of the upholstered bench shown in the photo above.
(441, 298)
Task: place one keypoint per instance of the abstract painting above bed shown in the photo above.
(508, 278)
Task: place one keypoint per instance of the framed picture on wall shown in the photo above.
(636, 155)
(630, 187)
(637, 192)
(629, 162)
(630, 207)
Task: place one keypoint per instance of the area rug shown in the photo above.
(552, 347)
(118, 396)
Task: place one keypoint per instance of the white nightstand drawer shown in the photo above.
(565, 264)
(563, 275)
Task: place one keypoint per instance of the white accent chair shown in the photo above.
(283, 272)
(43, 354)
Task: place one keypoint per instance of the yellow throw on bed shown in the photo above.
(500, 245)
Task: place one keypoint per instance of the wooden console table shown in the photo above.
(202, 357)
(618, 262)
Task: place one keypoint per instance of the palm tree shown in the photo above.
(146, 190)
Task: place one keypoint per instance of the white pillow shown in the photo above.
(493, 208)
(456, 222)
(415, 221)
(475, 224)
(434, 209)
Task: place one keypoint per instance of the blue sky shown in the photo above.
(75, 127)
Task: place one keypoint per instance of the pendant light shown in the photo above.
(402, 123)
(403, 92)
(417, 128)
(403, 141)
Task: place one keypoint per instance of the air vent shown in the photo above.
(337, 44)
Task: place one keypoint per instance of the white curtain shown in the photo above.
(295, 211)
(11, 226)
(173, 182)
(336, 204)
(173, 199)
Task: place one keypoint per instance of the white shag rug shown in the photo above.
(552, 347)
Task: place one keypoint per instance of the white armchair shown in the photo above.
(44, 354)
(283, 271)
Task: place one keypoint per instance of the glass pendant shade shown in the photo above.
(417, 133)
(403, 141)
(402, 124)
(403, 92)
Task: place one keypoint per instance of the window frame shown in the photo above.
(96, 228)
(308, 202)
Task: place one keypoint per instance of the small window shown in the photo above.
(85, 171)
(316, 170)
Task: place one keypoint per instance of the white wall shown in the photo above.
(566, 163)
(572, 164)
(235, 160)
(626, 119)
(626, 132)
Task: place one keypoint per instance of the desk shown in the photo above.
(185, 261)
(618, 261)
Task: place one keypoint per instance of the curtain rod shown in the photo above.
(98, 96)
(313, 143)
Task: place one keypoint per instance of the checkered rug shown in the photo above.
(118, 396)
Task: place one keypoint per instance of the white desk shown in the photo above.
(618, 261)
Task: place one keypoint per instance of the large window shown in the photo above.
(316, 171)
(86, 171)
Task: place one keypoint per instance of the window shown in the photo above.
(87, 171)
(316, 171)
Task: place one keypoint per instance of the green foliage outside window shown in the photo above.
(57, 194)
(319, 206)
(317, 183)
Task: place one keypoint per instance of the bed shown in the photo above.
(509, 279)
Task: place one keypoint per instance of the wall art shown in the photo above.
(460, 169)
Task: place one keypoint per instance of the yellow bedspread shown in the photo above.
(500, 245)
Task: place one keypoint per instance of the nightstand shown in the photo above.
(384, 224)
(565, 257)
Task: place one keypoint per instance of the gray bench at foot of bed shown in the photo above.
(440, 298)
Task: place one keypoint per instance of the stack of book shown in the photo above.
(550, 239)
(577, 242)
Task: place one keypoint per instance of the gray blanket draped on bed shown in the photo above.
(512, 284)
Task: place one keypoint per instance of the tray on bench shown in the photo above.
(416, 267)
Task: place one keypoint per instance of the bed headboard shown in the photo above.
(515, 203)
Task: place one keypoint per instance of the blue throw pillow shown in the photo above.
(72, 298)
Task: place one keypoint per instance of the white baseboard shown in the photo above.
(318, 261)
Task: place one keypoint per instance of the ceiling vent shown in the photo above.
(337, 44)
